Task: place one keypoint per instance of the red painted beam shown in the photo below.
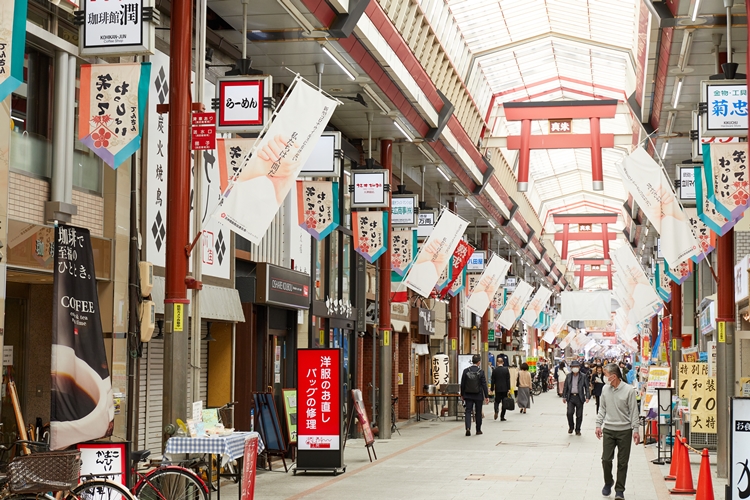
(560, 141)
(584, 236)
(584, 218)
(592, 274)
(535, 111)
(590, 262)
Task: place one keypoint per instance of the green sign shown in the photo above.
(491, 335)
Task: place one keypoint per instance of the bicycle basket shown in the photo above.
(45, 471)
(226, 415)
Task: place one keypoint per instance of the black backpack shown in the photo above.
(473, 381)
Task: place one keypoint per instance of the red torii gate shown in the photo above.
(567, 219)
(593, 110)
(598, 261)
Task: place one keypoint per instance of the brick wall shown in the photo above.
(404, 366)
(367, 357)
(27, 196)
(90, 212)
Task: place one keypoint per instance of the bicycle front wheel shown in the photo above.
(171, 484)
(100, 489)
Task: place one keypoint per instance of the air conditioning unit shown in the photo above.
(146, 270)
(148, 319)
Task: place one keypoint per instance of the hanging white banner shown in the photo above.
(554, 329)
(252, 199)
(513, 309)
(586, 305)
(639, 295)
(435, 254)
(489, 282)
(652, 191)
(531, 314)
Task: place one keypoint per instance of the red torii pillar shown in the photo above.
(582, 272)
(566, 236)
(593, 110)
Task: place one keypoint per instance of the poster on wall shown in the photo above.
(82, 400)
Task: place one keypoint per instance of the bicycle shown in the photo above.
(536, 386)
(162, 482)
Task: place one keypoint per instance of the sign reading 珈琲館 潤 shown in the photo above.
(117, 28)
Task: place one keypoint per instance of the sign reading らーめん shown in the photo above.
(283, 287)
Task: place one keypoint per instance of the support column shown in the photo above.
(386, 334)
(580, 277)
(724, 347)
(566, 230)
(676, 330)
(178, 215)
(453, 326)
(484, 348)
(597, 175)
(654, 334)
(523, 156)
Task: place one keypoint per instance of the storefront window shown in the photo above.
(30, 146)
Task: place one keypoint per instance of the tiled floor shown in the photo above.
(527, 457)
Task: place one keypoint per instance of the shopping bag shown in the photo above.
(509, 404)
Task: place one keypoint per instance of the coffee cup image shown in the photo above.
(82, 401)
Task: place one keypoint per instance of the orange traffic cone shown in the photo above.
(705, 483)
(676, 455)
(684, 485)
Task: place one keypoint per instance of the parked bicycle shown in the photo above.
(536, 385)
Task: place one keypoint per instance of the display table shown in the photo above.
(422, 398)
(229, 447)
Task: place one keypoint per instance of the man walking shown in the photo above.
(500, 385)
(617, 422)
(575, 393)
(473, 392)
(543, 370)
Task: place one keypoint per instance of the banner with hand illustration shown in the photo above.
(514, 307)
(483, 292)
(536, 306)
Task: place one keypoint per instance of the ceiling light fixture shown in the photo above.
(338, 63)
(664, 149)
(471, 203)
(695, 9)
(687, 46)
(375, 98)
(459, 188)
(442, 172)
(677, 90)
(492, 224)
(403, 131)
(505, 238)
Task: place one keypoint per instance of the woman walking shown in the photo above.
(523, 382)
(560, 373)
(597, 384)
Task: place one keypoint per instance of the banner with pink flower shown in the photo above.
(403, 250)
(727, 178)
(112, 105)
(680, 272)
(318, 207)
(370, 231)
(706, 238)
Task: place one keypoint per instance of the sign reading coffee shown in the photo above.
(82, 404)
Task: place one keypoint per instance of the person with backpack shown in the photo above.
(474, 392)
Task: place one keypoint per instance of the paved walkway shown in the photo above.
(529, 456)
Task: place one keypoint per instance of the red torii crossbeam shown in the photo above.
(567, 219)
(582, 272)
(593, 110)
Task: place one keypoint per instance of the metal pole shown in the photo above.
(724, 347)
(60, 124)
(178, 213)
(484, 347)
(195, 326)
(676, 347)
(453, 326)
(386, 340)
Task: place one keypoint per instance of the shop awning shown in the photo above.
(217, 303)
(400, 326)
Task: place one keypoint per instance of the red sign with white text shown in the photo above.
(461, 256)
(319, 399)
(203, 131)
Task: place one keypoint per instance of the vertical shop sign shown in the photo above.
(82, 404)
(249, 459)
(739, 462)
(122, 28)
(706, 238)
(703, 404)
(370, 232)
(12, 45)
(203, 131)
(318, 207)
(461, 256)
(403, 250)
(319, 399)
(112, 106)
(265, 178)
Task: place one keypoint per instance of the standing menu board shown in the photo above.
(290, 407)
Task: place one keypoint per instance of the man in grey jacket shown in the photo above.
(617, 422)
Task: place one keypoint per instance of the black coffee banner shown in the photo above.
(82, 404)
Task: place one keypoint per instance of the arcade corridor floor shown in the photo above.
(527, 457)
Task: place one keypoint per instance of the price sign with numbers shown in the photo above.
(703, 405)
